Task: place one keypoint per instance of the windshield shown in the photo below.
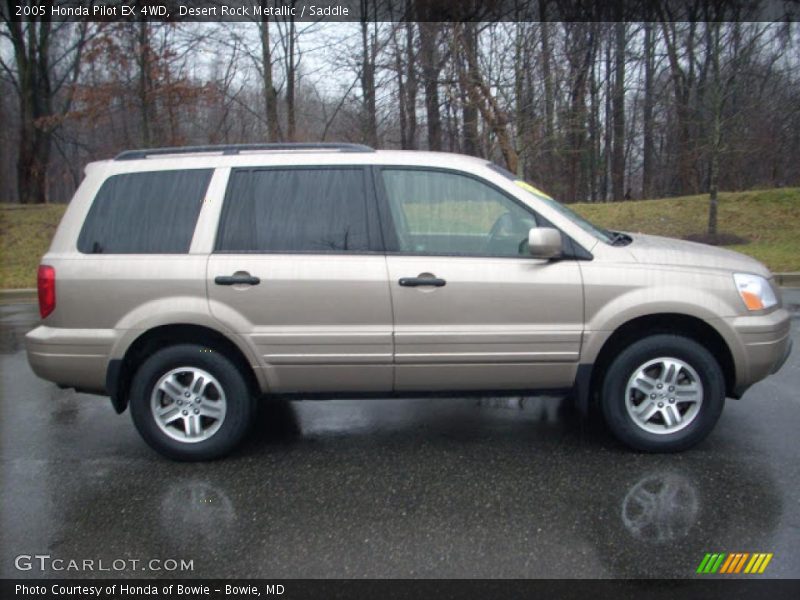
(598, 232)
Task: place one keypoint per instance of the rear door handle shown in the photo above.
(417, 281)
(239, 279)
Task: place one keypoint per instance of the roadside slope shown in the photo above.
(769, 219)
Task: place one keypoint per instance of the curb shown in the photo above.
(23, 295)
(788, 280)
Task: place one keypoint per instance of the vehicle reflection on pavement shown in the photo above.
(661, 507)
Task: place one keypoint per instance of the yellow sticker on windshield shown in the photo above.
(529, 188)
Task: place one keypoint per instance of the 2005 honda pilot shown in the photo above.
(188, 283)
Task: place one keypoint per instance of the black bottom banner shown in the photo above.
(291, 589)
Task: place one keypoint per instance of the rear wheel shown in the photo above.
(663, 393)
(190, 403)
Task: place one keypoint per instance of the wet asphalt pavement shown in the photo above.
(394, 488)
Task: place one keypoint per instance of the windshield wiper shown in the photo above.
(620, 239)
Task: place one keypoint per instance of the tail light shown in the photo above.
(46, 282)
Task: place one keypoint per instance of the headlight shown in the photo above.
(755, 291)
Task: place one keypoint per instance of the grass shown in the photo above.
(769, 219)
(25, 234)
(467, 218)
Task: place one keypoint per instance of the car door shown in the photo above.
(298, 271)
(472, 308)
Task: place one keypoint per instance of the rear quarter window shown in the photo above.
(145, 213)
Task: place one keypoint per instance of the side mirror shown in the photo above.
(544, 242)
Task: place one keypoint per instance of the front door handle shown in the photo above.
(417, 281)
(237, 279)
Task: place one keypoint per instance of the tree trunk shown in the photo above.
(469, 110)
(401, 92)
(270, 93)
(429, 60)
(647, 113)
(480, 95)
(32, 57)
(683, 82)
(580, 55)
(713, 189)
(713, 33)
(618, 152)
(291, 75)
(594, 132)
(368, 80)
(520, 101)
(607, 136)
(145, 83)
(548, 147)
(412, 86)
(34, 157)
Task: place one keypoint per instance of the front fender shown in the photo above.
(709, 297)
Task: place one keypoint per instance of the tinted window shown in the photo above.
(148, 213)
(295, 210)
(436, 212)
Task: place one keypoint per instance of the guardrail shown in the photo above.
(20, 296)
(788, 280)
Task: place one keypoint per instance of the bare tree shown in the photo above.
(481, 97)
(429, 33)
(618, 152)
(469, 56)
(369, 48)
(270, 93)
(412, 87)
(47, 63)
(548, 148)
(580, 54)
(587, 110)
(647, 116)
(713, 50)
(684, 81)
(287, 29)
(402, 94)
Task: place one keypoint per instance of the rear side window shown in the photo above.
(145, 213)
(295, 210)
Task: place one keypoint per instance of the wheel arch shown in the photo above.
(120, 371)
(591, 376)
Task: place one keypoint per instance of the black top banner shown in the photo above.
(402, 10)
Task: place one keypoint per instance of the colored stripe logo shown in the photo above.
(734, 563)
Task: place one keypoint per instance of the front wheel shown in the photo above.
(663, 393)
(190, 403)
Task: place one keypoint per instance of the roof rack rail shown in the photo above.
(233, 149)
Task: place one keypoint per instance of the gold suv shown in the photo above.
(190, 283)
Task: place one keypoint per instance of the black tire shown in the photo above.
(238, 402)
(623, 367)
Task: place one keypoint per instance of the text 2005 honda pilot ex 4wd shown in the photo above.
(188, 283)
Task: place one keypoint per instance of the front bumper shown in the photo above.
(762, 344)
(777, 366)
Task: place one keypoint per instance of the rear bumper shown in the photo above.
(71, 357)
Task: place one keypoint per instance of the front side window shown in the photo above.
(438, 212)
(598, 232)
(145, 213)
(295, 210)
